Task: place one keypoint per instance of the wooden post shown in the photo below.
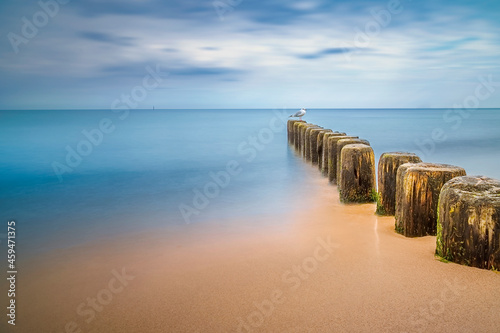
(468, 230)
(357, 181)
(387, 169)
(339, 145)
(324, 163)
(332, 155)
(303, 129)
(297, 130)
(313, 144)
(307, 142)
(291, 130)
(417, 194)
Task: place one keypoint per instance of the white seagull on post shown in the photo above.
(299, 114)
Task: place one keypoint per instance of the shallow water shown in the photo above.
(144, 168)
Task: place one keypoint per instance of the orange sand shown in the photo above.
(213, 278)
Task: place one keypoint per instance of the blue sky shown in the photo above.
(248, 53)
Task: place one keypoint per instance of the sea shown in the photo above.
(70, 177)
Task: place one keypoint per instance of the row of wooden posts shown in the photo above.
(425, 198)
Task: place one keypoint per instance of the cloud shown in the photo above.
(200, 71)
(150, 8)
(106, 38)
(452, 45)
(324, 53)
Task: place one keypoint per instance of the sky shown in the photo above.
(99, 54)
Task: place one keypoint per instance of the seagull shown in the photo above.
(299, 114)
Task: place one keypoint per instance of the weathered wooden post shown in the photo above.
(291, 130)
(324, 163)
(301, 137)
(313, 144)
(319, 146)
(340, 144)
(399, 189)
(332, 155)
(307, 141)
(417, 193)
(303, 128)
(387, 169)
(357, 175)
(296, 130)
(468, 230)
(298, 134)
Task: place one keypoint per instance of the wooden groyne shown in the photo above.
(425, 198)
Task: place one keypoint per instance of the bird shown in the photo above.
(299, 114)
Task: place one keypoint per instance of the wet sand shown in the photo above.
(329, 268)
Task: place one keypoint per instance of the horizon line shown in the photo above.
(274, 108)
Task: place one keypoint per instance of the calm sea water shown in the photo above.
(142, 170)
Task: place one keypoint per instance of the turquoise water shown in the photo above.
(144, 170)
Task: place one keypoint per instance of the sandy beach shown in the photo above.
(332, 268)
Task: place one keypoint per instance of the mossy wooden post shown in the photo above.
(303, 129)
(298, 129)
(307, 141)
(340, 144)
(357, 181)
(399, 189)
(324, 163)
(289, 126)
(332, 155)
(301, 137)
(417, 193)
(313, 144)
(291, 130)
(468, 230)
(387, 169)
(319, 146)
(295, 134)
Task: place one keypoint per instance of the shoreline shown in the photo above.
(219, 278)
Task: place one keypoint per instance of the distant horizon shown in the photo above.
(270, 108)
